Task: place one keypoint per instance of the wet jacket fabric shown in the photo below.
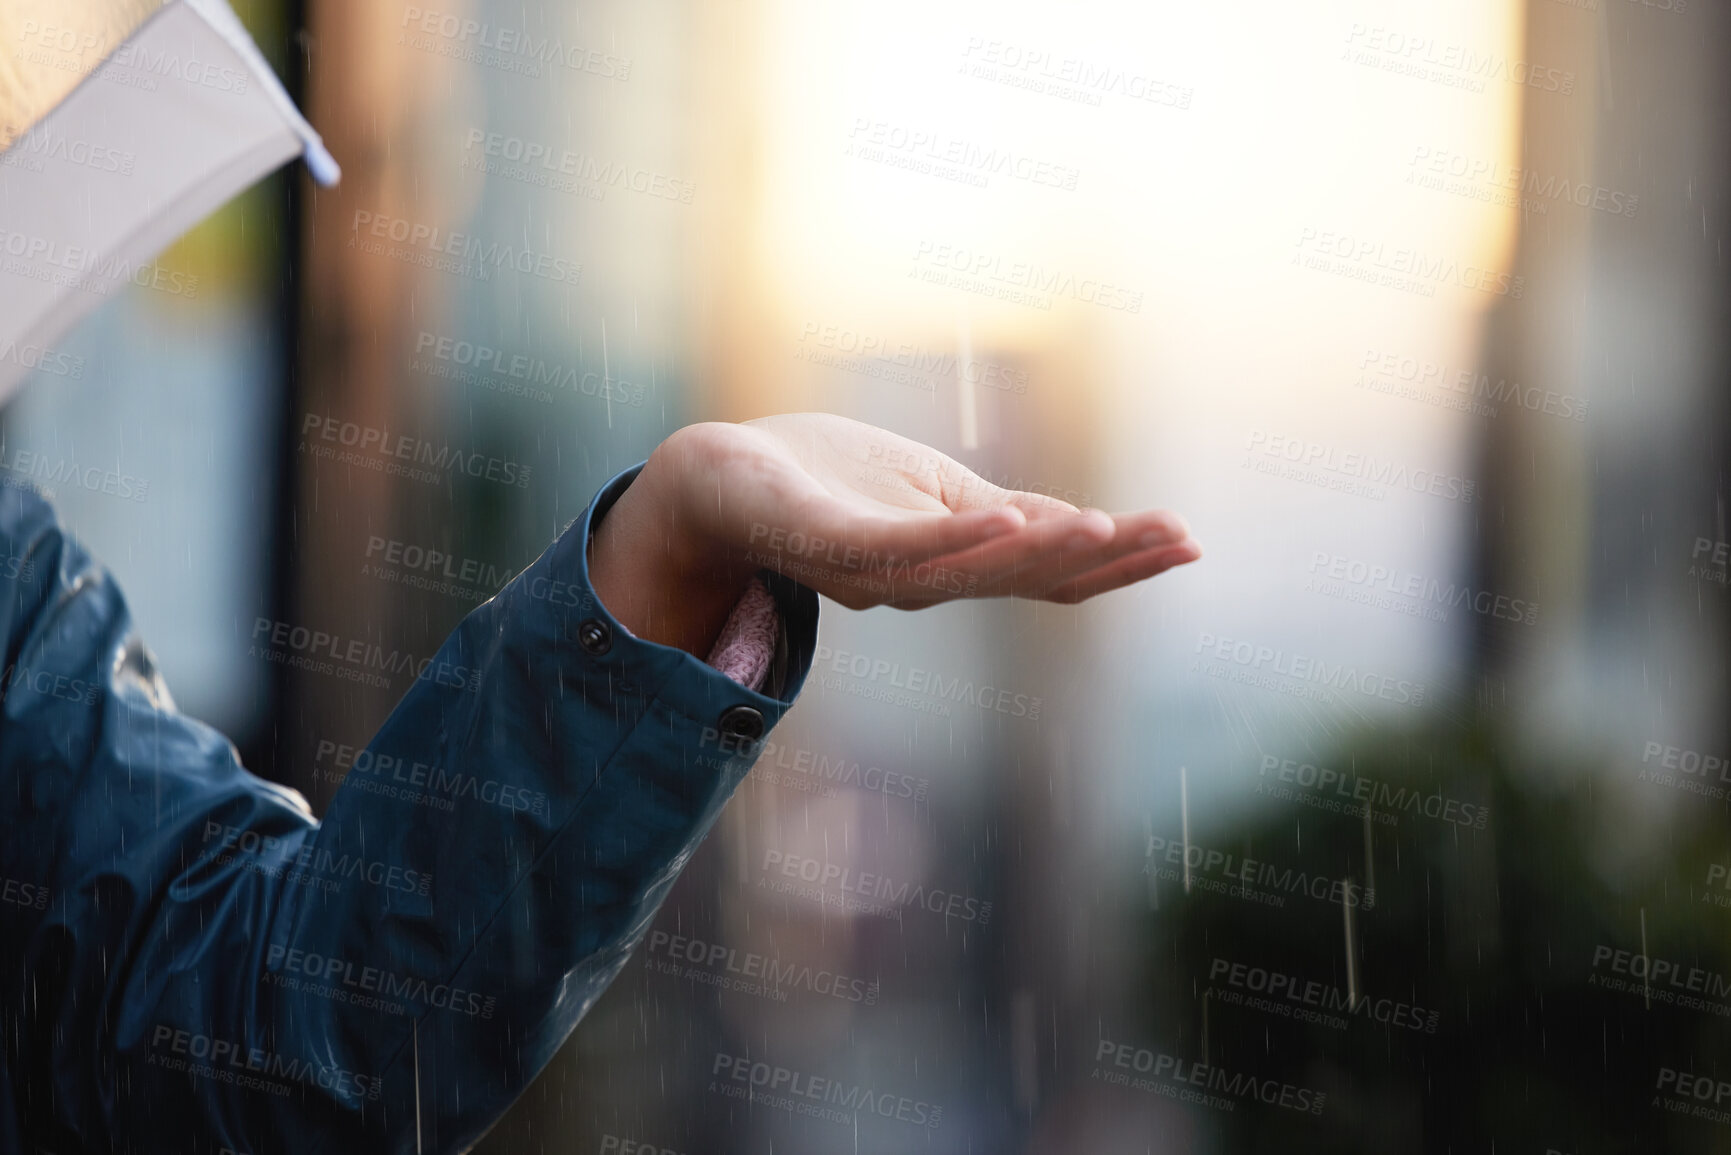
(189, 962)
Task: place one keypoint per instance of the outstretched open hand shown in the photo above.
(857, 513)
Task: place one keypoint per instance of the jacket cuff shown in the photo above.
(680, 680)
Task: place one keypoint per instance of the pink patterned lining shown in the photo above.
(747, 641)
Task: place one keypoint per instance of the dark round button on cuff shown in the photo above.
(595, 636)
(742, 722)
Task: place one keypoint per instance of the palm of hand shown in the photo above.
(869, 518)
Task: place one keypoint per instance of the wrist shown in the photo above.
(655, 569)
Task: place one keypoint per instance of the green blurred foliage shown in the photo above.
(1503, 933)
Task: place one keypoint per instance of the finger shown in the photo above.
(993, 569)
(1053, 552)
(996, 561)
(853, 557)
(1125, 571)
(1119, 570)
(924, 536)
(1037, 506)
(1133, 533)
(1074, 544)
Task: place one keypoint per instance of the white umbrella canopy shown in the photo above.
(122, 124)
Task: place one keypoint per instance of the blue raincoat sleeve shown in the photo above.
(189, 962)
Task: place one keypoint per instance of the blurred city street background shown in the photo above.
(1397, 823)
